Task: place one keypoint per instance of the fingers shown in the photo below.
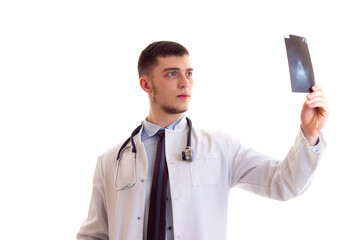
(316, 103)
(317, 99)
(316, 88)
(317, 91)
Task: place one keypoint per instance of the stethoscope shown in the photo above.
(186, 156)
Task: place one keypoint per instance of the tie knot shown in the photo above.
(161, 133)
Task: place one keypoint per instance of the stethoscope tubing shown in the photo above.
(186, 155)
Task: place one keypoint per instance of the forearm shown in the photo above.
(312, 138)
(284, 179)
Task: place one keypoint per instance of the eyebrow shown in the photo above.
(176, 69)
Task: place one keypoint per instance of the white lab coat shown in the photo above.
(199, 189)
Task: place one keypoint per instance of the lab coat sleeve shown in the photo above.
(95, 226)
(273, 178)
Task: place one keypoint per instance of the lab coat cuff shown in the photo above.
(320, 145)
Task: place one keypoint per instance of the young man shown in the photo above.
(174, 197)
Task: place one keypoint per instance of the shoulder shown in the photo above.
(109, 156)
(112, 151)
(216, 139)
(211, 137)
(210, 134)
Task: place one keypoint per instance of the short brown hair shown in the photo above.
(147, 60)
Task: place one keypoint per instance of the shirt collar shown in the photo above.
(151, 129)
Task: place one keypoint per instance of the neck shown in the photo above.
(163, 120)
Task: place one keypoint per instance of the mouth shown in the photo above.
(183, 96)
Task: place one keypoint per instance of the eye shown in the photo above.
(172, 74)
(189, 74)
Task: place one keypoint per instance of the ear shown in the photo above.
(145, 84)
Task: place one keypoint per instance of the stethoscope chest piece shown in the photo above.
(186, 154)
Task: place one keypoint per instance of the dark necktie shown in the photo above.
(157, 209)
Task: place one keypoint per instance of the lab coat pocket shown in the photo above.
(205, 170)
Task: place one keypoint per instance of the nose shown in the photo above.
(184, 81)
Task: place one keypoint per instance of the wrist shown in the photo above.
(312, 138)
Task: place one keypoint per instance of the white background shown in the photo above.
(69, 91)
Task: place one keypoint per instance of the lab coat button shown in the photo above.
(138, 218)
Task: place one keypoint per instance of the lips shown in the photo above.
(183, 96)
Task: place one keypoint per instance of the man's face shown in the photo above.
(171, 83)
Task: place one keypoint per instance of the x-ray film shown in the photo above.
(301, 70)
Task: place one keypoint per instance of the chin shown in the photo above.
(173, 110)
